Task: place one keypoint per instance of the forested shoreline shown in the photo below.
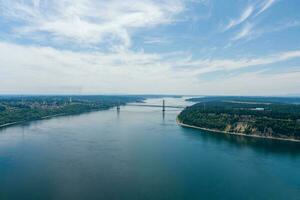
(16, 109)
(262, 118)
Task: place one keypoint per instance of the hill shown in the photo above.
(267, 119)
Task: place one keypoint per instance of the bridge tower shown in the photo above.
(163, 106)
(118, 106)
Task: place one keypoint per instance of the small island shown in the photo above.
(265, 117)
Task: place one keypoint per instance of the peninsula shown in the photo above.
(274, 118)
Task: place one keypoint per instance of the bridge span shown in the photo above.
(157, 106)
(163, 106)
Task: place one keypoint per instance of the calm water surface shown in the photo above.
(139, 153)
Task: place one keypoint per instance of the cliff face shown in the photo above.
(239, 127)
(248, 128)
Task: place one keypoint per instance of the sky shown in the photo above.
(191, 47)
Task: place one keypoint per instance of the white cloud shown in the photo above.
(246, 31)
(267, 4)
(40, 69)
(245, 15)
(198, 67)
(156, 40)
(255, 83)
(89, 21)
(34, 69)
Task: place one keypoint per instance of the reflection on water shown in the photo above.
(258, 144)
(141, 153)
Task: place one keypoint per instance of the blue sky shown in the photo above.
(232, 47)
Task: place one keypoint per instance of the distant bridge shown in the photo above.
(163, 106)
(157, 106)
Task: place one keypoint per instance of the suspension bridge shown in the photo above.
(163, 106)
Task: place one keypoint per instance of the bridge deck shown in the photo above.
(158, 106)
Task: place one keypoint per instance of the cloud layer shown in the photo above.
(148, 46)
(88, 21)
(45, 69)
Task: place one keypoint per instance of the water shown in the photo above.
(140, 153)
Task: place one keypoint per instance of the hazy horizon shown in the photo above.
(144, 94)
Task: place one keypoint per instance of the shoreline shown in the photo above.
(233, 133)
(11, 124)
(24, 121)
(46, 117)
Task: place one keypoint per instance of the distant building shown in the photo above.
(258, 109)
